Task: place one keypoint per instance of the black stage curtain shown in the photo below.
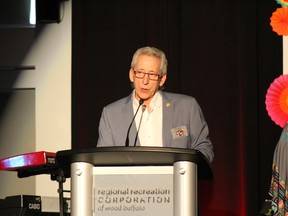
(224, 53)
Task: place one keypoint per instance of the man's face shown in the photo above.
(146, 88)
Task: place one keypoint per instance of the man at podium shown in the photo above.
(151, 117)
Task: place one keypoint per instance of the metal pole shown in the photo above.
(81, 189)
(185, 189)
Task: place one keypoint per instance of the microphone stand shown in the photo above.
(136, 137)
(141, 101)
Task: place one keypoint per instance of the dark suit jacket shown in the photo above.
(179, 111)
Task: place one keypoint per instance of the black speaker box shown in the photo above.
(48, 11)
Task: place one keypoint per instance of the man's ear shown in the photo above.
(163, 79)
(131, 75)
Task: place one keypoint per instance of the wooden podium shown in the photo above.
(188, 166)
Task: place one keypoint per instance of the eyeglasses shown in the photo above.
(151, 76)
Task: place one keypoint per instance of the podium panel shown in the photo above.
(119, 194)
(122, 191)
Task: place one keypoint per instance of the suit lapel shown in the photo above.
(168, 107)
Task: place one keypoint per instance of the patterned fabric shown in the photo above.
(279, 188)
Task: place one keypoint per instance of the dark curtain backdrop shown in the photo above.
(223, 53)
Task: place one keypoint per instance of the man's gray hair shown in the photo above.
(151, 51)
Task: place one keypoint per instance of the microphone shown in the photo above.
(141, 101)
(143, 110)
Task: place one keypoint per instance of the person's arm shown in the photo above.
(105, 135)
(199, 132)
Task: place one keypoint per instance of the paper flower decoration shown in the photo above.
(284, 3)
(277, 100)
(279, 21)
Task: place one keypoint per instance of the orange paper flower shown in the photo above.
(277, 100)
(279, 21)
